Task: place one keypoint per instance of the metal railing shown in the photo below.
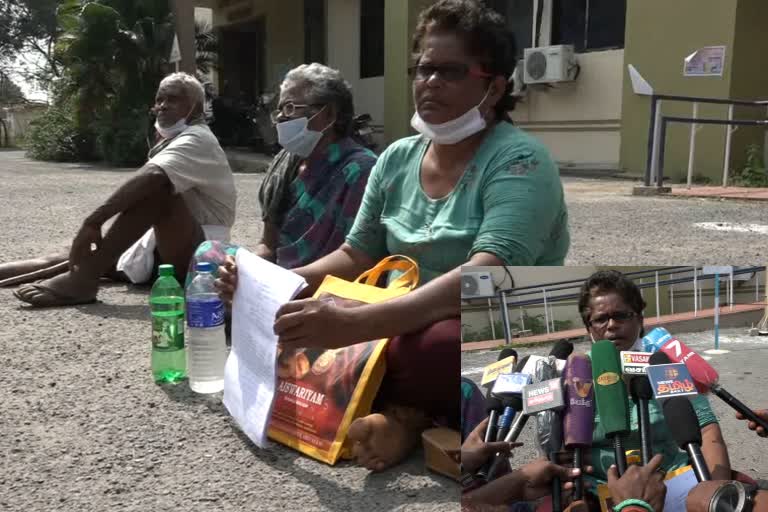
(653, 279)
(657, 132)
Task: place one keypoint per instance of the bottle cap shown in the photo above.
(204, 266)
(166, 270)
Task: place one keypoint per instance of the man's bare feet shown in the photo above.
(381, 440)
(17, 268)
(63, 290)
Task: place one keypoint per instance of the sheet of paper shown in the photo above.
(250, 373)
(678, 488)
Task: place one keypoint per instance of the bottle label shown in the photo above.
(205, 313)
(168, 332)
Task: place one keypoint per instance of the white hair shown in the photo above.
(322, 84)
(192, 86)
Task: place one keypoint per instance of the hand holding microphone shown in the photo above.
(639, 482)
(762, 432)
(475, 451)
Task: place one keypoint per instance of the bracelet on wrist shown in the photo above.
(629, 505)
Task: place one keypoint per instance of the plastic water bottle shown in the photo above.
(206, 341)
(166, 301)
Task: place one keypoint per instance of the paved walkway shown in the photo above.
(744, 193)
(649, 323)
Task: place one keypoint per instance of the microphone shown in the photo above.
(641, 391)
(611, 397)
(504, 364)
(684, 426)
(669, 379)
(545, 398)
(490, 469)
(562, 349)
(706, 377)
(493, 406)
(579, 416)
(508, 388)
(634, 366)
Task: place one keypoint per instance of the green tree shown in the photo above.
(114, 54)
(10, 93)
(28, 32)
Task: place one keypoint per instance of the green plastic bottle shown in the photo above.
(166, 301)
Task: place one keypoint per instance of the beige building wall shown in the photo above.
(579, 121)
(343, 46)
(684, 27)
(284, 27)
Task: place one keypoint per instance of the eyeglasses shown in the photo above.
(447, 72)
(620, 317)
(289, 109)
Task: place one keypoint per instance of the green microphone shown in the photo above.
(611, 397)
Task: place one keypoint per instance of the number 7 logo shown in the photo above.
(676, 345)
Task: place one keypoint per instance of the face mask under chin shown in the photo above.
(455, 130)
(169, 132)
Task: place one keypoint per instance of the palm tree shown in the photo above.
(206, 48)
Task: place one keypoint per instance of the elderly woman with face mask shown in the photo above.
(313, 187)
(470, 189)
(611, 307)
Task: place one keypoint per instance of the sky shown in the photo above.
(30, 89)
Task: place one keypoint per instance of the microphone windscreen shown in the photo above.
(521, 364)
(545, 370)
(578, 421)
(640, 388)
(562, 349)
(493, 404)
(682, 421)
(659, 358)
(507, 352)
(610, 392)
(516, 402)
(704, 375)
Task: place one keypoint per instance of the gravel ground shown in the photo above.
(741, 373)
(609, 225)
(84, 427)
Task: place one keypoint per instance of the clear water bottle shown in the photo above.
(166, 302)
(206, 341)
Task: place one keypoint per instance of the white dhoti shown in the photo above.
(138, 262)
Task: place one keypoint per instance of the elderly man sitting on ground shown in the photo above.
(183, 195)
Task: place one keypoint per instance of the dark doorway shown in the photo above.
(242, 65)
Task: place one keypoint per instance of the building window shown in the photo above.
(371, 38)
(589, 24)
(519, 17)
(314, 31)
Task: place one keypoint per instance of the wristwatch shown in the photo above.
(733, 496)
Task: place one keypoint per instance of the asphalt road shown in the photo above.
(742, 373)
(84, 428)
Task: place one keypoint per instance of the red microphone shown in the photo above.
(705, 377)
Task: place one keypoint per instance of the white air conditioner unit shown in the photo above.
(549, 64)
(476, 284)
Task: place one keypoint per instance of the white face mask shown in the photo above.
(169, 132)
(296, 137)
(454, 131)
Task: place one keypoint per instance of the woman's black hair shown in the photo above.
(485, 34)
(610, 281)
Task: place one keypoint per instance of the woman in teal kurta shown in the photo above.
(508, 202)
(471, 189)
